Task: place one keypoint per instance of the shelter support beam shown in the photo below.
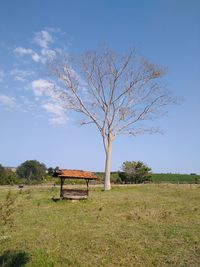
(61, 186)
(87, 182)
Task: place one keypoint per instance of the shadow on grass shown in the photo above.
(13, 259)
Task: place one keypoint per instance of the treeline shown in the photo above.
(131, 172)
(172, 178)
(33, 172)
(7, 176)
(136, 172)
(29, 172)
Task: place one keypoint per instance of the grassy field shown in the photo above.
(175, 178)
(143, 225)
(162, 178)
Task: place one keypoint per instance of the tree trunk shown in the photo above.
(107, 185)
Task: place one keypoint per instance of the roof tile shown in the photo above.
(76, 174)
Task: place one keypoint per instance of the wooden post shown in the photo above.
(61, 186)
(87, 182)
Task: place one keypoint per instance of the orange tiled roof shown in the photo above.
(76, 174)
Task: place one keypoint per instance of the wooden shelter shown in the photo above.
(74, 174)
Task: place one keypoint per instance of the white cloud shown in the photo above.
(35, 57)
(23, 51)
(42, 87)
(57, 113)
(55, 109)
(41, 51)
(2, 74)
(7, 101)
(27, 51)
(43, 38)
(47, 54)
(21, 75)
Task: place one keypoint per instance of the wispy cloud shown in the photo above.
(21, 75)
(21, 51)
(47, 54)
(26, 104)
(43, 38)
(42, 49)
(42, 87)
(7, 101)
(57, 113)
(43, 53)
(55, 109)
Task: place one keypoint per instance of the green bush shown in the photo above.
(51, 170)
(115, 178)
(135, 172)
(31, 170)
(7, 176)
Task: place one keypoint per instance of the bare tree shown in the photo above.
(117, 93)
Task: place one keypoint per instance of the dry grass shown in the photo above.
(143, 225)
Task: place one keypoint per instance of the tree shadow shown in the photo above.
(13, 258)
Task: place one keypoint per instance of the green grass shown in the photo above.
(162, 178)
(175, 178)
(144, 225)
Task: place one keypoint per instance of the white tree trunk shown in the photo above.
(107, 185)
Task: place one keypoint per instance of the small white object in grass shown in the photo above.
(5, 237)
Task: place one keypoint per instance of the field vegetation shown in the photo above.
(160, 178)
(35, 172)
(133, 225)
(175, 178)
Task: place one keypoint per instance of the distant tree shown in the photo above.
(31, 170)
(135, 172)
(7, 176)
(2, 171)
(2, 174)
(50, 171)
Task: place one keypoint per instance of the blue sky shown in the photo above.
(165, 32)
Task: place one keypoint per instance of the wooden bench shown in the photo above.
(74, 194)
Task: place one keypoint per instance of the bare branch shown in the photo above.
(113, 92)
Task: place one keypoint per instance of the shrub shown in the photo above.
(7, 176)
(7, 214)
(135, 172)
(31, 170)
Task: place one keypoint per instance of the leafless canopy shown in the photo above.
(116, 93)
